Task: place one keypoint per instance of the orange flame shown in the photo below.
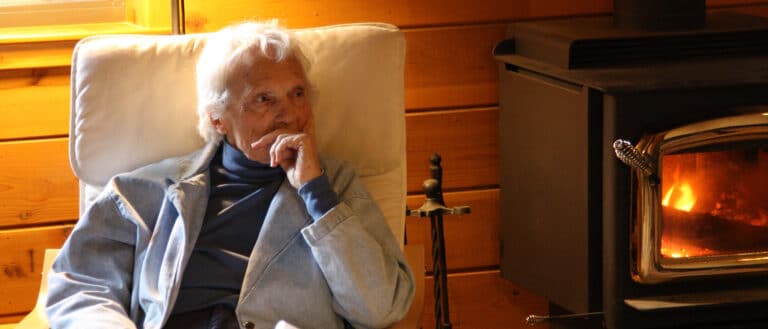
(681, 197)
(681, 249)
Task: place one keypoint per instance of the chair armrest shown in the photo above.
(414, 254)
(37, 319)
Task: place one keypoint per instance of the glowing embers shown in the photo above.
(714, 202)
(680, 249)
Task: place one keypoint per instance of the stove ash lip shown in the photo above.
(647, 266)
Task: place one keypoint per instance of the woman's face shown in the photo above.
(267, 95)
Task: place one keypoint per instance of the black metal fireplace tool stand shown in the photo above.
(434, 208)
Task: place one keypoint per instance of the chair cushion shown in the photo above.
(134, 103)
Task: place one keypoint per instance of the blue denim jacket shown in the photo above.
(121, 266)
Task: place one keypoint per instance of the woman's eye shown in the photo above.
(263, 99)
(298, 93)
(259, 102)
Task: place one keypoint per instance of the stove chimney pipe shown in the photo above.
(659, 15)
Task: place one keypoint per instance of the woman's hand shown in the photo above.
(295, 152)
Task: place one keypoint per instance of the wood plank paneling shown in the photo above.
(36, 183)
(758, 10)
(9, 322)
(36, 178)
(485, 300)
(717, 3)
(34, 103)
(467, 141)
(21, 262)
(202, 15)
(34, 111)
(472, 240)
(36, 54)
(436, 77)
(452, 67)
(56, 76)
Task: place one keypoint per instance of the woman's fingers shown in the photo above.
(294, 152)
(285, 149)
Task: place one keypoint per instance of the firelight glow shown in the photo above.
(684, 198)
(681, 249)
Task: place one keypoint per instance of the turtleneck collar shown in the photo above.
(237, 167)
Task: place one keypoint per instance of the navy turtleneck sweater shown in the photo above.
(241, 191)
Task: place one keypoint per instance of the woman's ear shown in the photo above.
(217, 124)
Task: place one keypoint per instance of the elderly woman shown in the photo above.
(254, 228)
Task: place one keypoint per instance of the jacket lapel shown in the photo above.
(285, 218)
(190, 197)
(188, 193)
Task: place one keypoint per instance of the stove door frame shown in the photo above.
(648, 266)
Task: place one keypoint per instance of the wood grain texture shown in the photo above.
(758, 9)
(452, 67)
(204, 15)
(445, 68)
(53, 76)
(36, 183)
(36, 54)
(467, 141)
(36, 178)
(485, 300)
(21, 261)
(9, 322)
(34, 103)
(471, 241)
(720, 3)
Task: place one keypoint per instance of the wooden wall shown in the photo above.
(451, 100)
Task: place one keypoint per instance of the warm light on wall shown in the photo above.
(33, 35)
(21, 13)
(28, 15)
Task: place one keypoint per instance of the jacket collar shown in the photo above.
(198, 162)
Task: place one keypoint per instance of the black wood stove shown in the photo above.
(634, 166)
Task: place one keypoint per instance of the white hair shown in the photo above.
(223, 51)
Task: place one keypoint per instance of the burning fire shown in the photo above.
(680, 249)
(714, 203)
(681, 197)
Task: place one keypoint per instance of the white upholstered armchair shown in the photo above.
(133, 103)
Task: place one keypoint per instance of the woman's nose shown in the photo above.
(286, 111)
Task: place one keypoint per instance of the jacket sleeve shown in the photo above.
(89, 285)
(371, 282)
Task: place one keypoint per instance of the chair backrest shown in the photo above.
(134, 103)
